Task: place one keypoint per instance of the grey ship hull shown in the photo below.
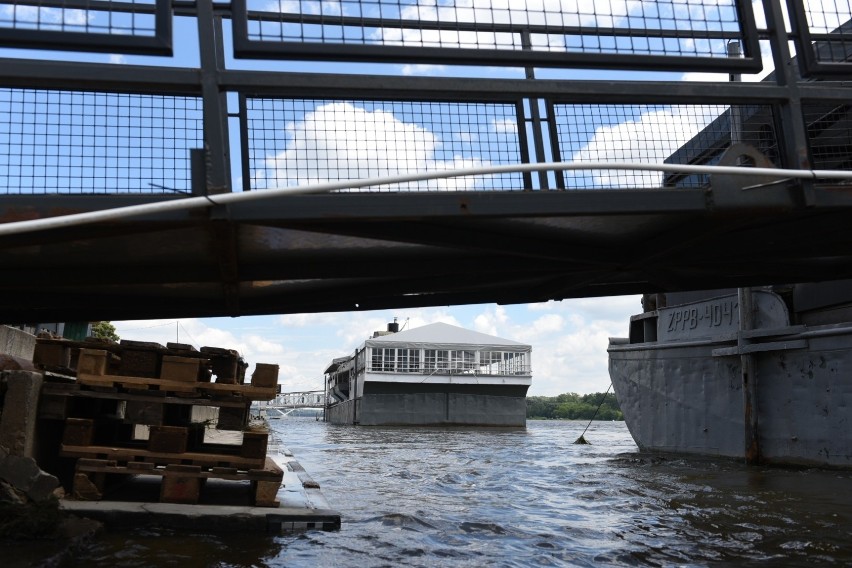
(386, 404)
(683, 391)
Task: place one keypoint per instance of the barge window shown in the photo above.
(388, 359)
(399, 360)
(510, 363)
(376, 360)
(437, 359)
(383, 359)
(463, 360)
(408, 360)
(486, 359)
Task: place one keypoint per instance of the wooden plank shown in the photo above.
(92, 361)
(181, 484)
(270, 471)
(225, 364)
(78, 432)
(140, 358)
(144, 412)
(266, 493)
(246, 391)
(90, 462)
(167, 439)
(254, 444)
(181, 369)
(144, 455)
(153, 396)
(233, 418)
(86, 489)
(265, 375)
(228, 474)
(53, 407)
(51, 355)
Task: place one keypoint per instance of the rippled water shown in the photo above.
(525, 497)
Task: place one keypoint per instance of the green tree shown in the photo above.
(104, 330)
(572, 406)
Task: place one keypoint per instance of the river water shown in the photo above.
(458, 497)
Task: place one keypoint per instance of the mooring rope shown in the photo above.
(582, 439)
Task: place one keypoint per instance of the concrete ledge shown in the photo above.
(212, 518)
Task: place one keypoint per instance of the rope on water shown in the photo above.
(582, 439)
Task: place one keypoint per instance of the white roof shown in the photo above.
(445, 336)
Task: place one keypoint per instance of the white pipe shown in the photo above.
(18, 227)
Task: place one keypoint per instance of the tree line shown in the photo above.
(572, 406)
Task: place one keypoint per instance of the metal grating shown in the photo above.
(130, 26)
(654, 134)
(829, 127)
(613, 33)
(824, 35)
(59, 142)
(303, 141)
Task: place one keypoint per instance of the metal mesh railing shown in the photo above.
(101, 143)
(127, 26)
(129, 17)
(668, 28)
(825, 35)
(302, 141)
(829, 126)
(829, 24)
(654, 134)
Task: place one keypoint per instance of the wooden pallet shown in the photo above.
(137, 358)
(180, 483)
(247, 392)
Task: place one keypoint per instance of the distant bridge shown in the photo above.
(146, 190)
(293, 400)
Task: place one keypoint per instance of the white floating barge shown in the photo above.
(438, 374)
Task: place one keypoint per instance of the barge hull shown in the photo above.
(385, 404)
(686, 396)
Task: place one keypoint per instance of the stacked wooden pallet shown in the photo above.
(132, 409)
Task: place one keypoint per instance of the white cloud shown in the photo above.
(505, 126)
(262, 346)
(339, 141)
(650, 138)
(491, 320)
(315, 8)
(423, 69)
(117, 58)
(47, 18)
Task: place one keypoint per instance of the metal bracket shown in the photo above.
(730, 191)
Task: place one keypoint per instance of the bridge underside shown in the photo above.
(359, 251)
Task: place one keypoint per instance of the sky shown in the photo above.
(569, 338)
